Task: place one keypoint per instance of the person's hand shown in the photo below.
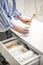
(24, 20)
(20, 29)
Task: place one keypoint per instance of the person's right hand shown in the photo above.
(20, 29)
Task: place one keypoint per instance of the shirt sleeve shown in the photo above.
(6, 19)
(16, 12)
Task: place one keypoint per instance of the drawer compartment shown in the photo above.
(4, 35)
(17, 53)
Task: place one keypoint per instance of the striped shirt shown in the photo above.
(7, 11)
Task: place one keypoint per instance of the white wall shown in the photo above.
(28, 7)
(20, 5)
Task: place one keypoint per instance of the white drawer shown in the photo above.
(31, 59)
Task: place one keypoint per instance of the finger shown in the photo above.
(26, 30)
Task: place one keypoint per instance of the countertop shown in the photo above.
(35, 35)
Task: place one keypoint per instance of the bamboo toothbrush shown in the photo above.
(33, 16)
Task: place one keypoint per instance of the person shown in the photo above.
(7, 11)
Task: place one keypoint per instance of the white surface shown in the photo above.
(29, 7)
(25, 56)
(35, 36)
(39, 6)
(20, 5)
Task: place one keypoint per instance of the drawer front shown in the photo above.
(14, 61)
(41, 60)
(35, 62)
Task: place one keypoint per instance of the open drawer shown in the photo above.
(17, 53)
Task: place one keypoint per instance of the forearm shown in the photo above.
(20, 29)
(20, 18)
(24, 19)
(17, 28)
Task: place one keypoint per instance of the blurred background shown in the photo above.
(29, 7)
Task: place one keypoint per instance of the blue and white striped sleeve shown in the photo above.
(16, 12)
(4, 19)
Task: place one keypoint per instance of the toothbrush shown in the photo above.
(33, 16)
